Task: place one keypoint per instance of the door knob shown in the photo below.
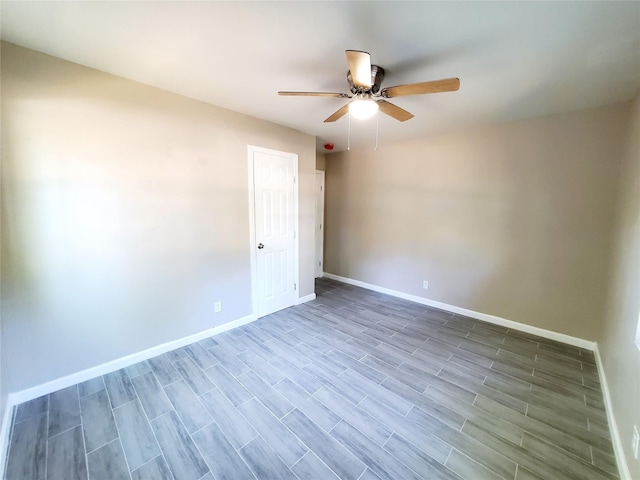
(260, 246)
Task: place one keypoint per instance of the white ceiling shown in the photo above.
(514, 59)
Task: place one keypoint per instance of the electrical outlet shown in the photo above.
(425, 284)
(635, 442)
(217, 307)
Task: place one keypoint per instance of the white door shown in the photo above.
(319, 223)
(274, 239)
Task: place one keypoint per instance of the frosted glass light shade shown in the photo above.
(363, 108)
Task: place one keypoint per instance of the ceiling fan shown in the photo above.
(365, 80)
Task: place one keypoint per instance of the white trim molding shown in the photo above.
(638, 332)
(5, 435)
(22, 396)
(306, 298)
(616, 440)
(523, 327)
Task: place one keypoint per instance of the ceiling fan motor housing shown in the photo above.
(377, 75)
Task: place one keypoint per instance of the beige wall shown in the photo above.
(512, 220)
(124, 215)
(535, 221)
(620, 355)
(320, 161)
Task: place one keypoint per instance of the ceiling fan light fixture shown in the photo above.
(363, 108)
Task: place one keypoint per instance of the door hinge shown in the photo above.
(294, 180)
(320, 226)
(295, 286)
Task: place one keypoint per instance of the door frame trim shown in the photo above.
(252, 223)
(315, 250)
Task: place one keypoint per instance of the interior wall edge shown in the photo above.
(616, 440)
(5, 433)
(618, 354)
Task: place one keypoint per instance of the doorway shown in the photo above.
(273, 205)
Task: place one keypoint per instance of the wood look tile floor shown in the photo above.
(354, 385)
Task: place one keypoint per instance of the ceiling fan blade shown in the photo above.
(360, 68)
(338, 114)
(313, 94)
(394, 111)
(436, 86)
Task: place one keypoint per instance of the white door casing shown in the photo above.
(319, 265)
(273, 212)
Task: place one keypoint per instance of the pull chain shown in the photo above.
(349, 134)
(377, 131)
(377, 128)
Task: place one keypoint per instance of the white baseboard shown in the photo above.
(306, 298)
(54, 385)
(108, 367)
(5, 433)
(523, 327)
(618, 449)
